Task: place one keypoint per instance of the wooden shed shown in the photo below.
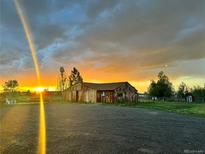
(101, 92)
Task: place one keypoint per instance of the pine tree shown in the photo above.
(75, 77)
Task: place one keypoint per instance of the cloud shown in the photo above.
(7, 59)
(136, 37)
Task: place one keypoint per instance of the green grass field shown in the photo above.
(194, 109)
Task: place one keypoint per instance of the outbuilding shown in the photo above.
(101, 92)
(189, 97)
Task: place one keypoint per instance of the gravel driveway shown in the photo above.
(82, 128)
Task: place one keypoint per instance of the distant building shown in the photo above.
(189, 97)
(101, 92)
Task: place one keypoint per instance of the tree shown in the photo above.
(161, 88)
(182, 90)
(10, 85)
(75, 77)
(153, 91)
(198, 91)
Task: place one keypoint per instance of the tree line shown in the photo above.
(160, 88)
(164, 88)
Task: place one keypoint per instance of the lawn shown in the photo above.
(195, 109)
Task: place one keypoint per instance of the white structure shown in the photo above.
(11, 101)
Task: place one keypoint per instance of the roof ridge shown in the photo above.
(105, 82)
(105, 86)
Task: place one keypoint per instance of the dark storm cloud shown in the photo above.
(94, 8)
(138, 35)
(6, 59)
(47, 35)
(154, 33)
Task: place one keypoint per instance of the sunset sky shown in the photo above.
(107, 40)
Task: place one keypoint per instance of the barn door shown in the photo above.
(77, 96)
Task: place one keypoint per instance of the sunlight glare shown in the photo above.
(39, 89)
(42, 123)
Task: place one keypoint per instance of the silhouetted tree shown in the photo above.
(10, 85)
(75, 77)
(198, 91)
(153, 90)
(182, 90)
(161, 88)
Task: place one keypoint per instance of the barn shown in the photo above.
(101, 92)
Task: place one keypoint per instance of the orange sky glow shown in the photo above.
(49, 81)
(107, 41)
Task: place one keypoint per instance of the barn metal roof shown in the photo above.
(105, 86)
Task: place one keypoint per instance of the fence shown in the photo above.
(169, 99)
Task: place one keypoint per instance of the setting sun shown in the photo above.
(39, 89)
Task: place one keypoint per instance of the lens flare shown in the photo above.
(42, 128)
(42, 123)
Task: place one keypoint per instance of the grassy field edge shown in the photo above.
(193, 109)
